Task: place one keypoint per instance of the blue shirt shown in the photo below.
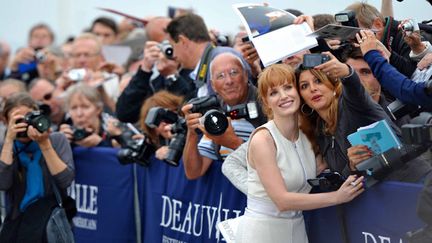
(396, 83)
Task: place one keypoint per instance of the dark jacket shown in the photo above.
(393, 40)
(355, 109)
(141, 87)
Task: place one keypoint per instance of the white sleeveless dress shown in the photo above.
(262, 221)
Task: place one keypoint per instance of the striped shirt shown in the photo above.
(206, 147)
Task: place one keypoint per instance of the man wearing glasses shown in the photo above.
(43, 91)
(229, 80)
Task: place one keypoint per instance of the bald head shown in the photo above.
(155, 28)
(229, 78)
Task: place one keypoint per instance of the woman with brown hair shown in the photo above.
(335, 105)
(160, 135)
(280, 160)
(32, 161)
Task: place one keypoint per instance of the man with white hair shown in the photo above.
(229, 79)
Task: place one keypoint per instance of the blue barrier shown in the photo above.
(104, 197)
(174, 209)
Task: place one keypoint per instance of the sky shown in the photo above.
(70, 17)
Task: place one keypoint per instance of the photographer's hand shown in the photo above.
(67, 131)
(54, 163)
(38, 137)
(228, 139)
(162, 153)
(24, 55)
(192, 119)
(91, 141)
(151, 55)
(357, 154)
(13, 127)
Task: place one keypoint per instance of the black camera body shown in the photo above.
(214, 119)
(136, 151)
(177, 143)
(79, 133)
(167, 49)
(37, 119)
(326, 181)
(314, 59)
(156, 115)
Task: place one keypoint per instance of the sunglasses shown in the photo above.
(48, 96)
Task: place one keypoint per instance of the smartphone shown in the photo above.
(314, 59)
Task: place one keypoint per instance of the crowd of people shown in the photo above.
(274, 127)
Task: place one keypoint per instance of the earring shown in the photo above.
(302, 109)
(334, 92)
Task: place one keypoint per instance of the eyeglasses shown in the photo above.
(233, 73)
(85, 55)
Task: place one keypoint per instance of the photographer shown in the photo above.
(400, 86)
(158, 71)
(23, 65)
(85, 107)
(31, 157)
(229, 80)
(387, 32)
(160, 135)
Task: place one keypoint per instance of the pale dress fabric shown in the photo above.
(262, 221)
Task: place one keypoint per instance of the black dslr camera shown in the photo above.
(37, 119)
(136, 151)
(79, 133)
(179, 128)
(157, 114)
(167, 49)
(176, 145)
(214, 119)
(327, 181)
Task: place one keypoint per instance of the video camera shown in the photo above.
(214, 117)
(418, 139)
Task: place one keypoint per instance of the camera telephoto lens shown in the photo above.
(215, 122)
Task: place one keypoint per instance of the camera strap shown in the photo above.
(204, 65)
